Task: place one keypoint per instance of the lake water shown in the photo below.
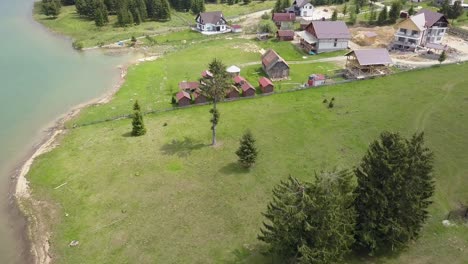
(41, 77)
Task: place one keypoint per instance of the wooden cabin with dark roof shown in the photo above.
(247, 89)
(275, 66)
(266, 85)
(183, 98)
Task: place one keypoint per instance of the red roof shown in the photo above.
(246, 86)
(264, 82)
(317, 77)
(188, 85)
(286, 33)
(270, 58)
(206, 74)
(238, 79)
(182, 94)
(284, 17)
(236, 26)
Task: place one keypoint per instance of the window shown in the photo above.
(414, 32)
(403, 31)
(336, 43)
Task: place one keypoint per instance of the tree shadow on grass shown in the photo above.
(181, 148)
(233, 168)
(127, 134)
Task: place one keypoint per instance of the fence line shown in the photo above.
(228, 100)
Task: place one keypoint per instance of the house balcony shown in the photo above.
(407, 35)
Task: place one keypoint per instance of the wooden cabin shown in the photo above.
(274, 66)
(266, 85)
(183, 98)
(367, 63)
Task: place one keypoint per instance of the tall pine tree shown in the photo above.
(311, 222)
(394, 189)
(138, 127)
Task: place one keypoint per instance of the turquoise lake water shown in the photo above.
(41, 77)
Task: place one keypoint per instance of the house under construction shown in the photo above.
(365, 63)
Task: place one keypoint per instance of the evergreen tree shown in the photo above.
(442, 57)
(246, 2)
(51, 8)
(334, 16)
(124, 17)
(394, 12)
(99, 18)
(198, 6)
(247, 151)
(382, 16)
(285, 4)
(153, 7)
(140, 5)
(345, 9)
(445, 8)
(215, 88)
(165, 11)
(411, 11)
(352, 17)
(357, 9)
(138, 127)
(136, 105)
(455, 11)
(394, 189)
(278, 6)
(311, 222)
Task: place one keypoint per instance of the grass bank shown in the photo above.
(168, 197)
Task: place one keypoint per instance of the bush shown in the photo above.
(78, 45)
(330, 105)
(265, 16)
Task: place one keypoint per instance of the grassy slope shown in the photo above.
(70, 24)
(167, 197)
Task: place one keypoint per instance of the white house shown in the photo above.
(301, 8)
(425, 27)
(212, 22)
(323, 36)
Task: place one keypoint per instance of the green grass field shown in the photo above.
(168, 197)
(70, 24)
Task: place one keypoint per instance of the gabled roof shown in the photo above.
(206, 74)
(270, 58)
(419, 20)
(300, 3)
(330, 29)
(197, 94)
(430, 17)
(182, 94)
(188, 85)
(368, 57)
(264, 82)
(238, 79)
(284, 17)
(246, 86)
(214, 17)
(286, 33)
(317, 77)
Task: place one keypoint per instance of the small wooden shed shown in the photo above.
(274, 66)
(199, 97)
(316, 79)
(232, 93)
(183, 98)
(247, 89)
(285, 35)
(266, 85)
(239, 80)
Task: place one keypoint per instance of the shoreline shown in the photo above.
(38, 236)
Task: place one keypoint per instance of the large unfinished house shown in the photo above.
(426, 27)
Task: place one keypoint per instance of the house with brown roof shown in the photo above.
(425, 27)
(324, 36)
(367, 63)
(266, 85)
(189, 86)
(211, 22)
(183, 98)
(285, 35)
(247, 89)
(274, 66)
(284, 20)
(238, 80)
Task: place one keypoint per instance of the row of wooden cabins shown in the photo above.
(190, 91)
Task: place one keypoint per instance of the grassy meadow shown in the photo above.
(71, 24)
(169, 197)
